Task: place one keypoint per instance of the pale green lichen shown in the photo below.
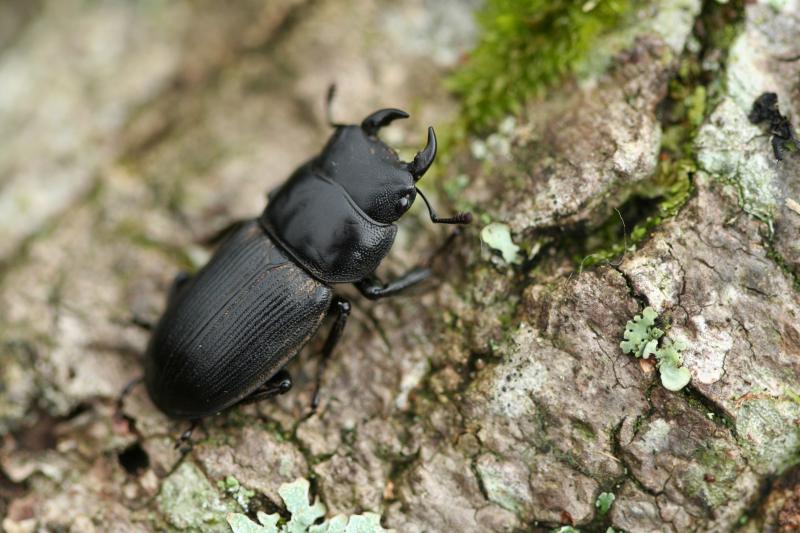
(604, 502)
(641, 339)
(498, 237)
(241, 494)
(190, 503)
(304, 515)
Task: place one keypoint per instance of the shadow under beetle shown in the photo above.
(229, 330)
(765, 108)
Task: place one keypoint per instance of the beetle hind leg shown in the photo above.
(184, 442)
(278, 384)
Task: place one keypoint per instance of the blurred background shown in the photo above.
(237, 88)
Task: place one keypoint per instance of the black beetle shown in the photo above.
(229, 330)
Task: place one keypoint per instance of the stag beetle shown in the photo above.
(229, 330)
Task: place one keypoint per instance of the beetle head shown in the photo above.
(370, 171)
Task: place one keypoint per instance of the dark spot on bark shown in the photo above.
(134, 459)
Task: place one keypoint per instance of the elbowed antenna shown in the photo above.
(423, 160)
(381, 118)
(459, 218)
(329, 105)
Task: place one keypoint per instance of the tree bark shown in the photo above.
(497, 397)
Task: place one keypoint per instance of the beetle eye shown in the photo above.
(403, 203)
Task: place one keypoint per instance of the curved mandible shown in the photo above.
(381, 118)
(424, 158)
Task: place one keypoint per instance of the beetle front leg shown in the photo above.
(374, 289)
(341, 307)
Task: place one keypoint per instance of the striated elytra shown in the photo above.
(229, 330)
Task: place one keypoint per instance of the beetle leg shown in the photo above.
(341, 307)
(278, 384)
(374, 289)
(329, 105)
(126, 391)
(184, 442)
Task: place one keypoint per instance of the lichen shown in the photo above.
(305, 513)
(190, 503)
(641, 339)
(762, 433)
(498, 237)
(241, 494)
(604, 502)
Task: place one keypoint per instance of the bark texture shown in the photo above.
(498, 398)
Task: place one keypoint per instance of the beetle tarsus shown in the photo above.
(141, 322)
(341, 307)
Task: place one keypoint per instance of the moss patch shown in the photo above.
(527, 45)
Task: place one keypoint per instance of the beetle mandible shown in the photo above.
(228, 331)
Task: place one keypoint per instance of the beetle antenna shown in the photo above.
(459, 218)
(329, 105)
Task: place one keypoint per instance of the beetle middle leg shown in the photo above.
(184, 442)
(341, 307)
(374, 289)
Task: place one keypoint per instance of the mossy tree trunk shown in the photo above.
(497, 398)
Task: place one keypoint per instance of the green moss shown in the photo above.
(692, 96)
(527, 45)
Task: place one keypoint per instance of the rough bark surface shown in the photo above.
(498, 398)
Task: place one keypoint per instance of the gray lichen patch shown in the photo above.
(189, 502)
(763, 426)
